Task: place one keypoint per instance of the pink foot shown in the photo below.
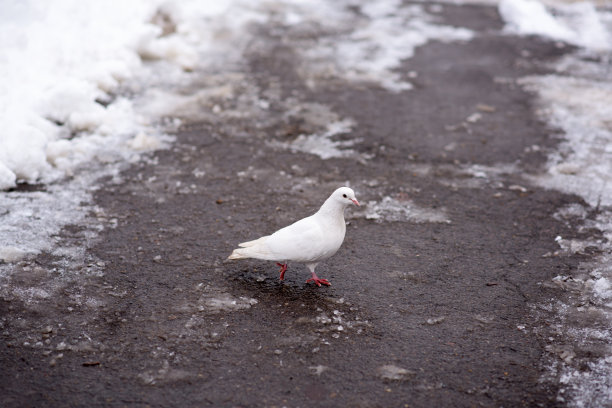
(318, 281)
(282, 271)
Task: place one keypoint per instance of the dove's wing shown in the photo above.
(307, 240)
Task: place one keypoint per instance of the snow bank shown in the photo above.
(582, 108)
(578, 24)
(58, 59)
(63, 64)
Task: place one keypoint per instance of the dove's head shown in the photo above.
(345, 195)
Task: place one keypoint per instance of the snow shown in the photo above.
(11, 254)
(578, 101)
(322, 144)
(58, 60)
(602, 288)
(579, 24)
(582, 108)
(531, 17)
(66, 64)
(391, 209)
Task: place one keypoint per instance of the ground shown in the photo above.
(419, 314)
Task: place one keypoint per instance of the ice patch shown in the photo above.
(30, 219)
(390, 209)
(392, 372)
(164, 375)
(31, 294)
(322, 144)
(602, 288)
(570, 211)
(226, 302)
(593, 385)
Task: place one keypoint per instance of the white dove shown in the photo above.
(310, 240)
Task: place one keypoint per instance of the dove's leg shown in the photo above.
(315, 278)
(282, 271)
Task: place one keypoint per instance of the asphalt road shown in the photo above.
(420, 313)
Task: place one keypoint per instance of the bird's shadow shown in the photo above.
(261, 279)
(294, 297)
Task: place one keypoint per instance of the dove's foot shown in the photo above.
(318, 281)
(282, 271)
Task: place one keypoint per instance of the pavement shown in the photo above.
(435, 291)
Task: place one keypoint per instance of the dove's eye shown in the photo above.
(344, 195)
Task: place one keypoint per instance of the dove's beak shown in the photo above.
(354, 200)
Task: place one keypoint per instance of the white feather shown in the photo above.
(309, 240)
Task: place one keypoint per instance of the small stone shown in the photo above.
(435, 320)
(516, 187)
(317, 370)
(484, 319)
(568, 168)
(474, 117)
(485, 108)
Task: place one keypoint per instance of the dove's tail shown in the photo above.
(253, 243)
(249, 249)
(237, 254)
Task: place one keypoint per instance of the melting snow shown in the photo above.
(388, 33)
(579, 24)
(391, 372)
(322, 144)
(578, 101)
(391, 209)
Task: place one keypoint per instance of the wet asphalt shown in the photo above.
(419, 314)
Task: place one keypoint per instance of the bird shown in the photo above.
(310, 240)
